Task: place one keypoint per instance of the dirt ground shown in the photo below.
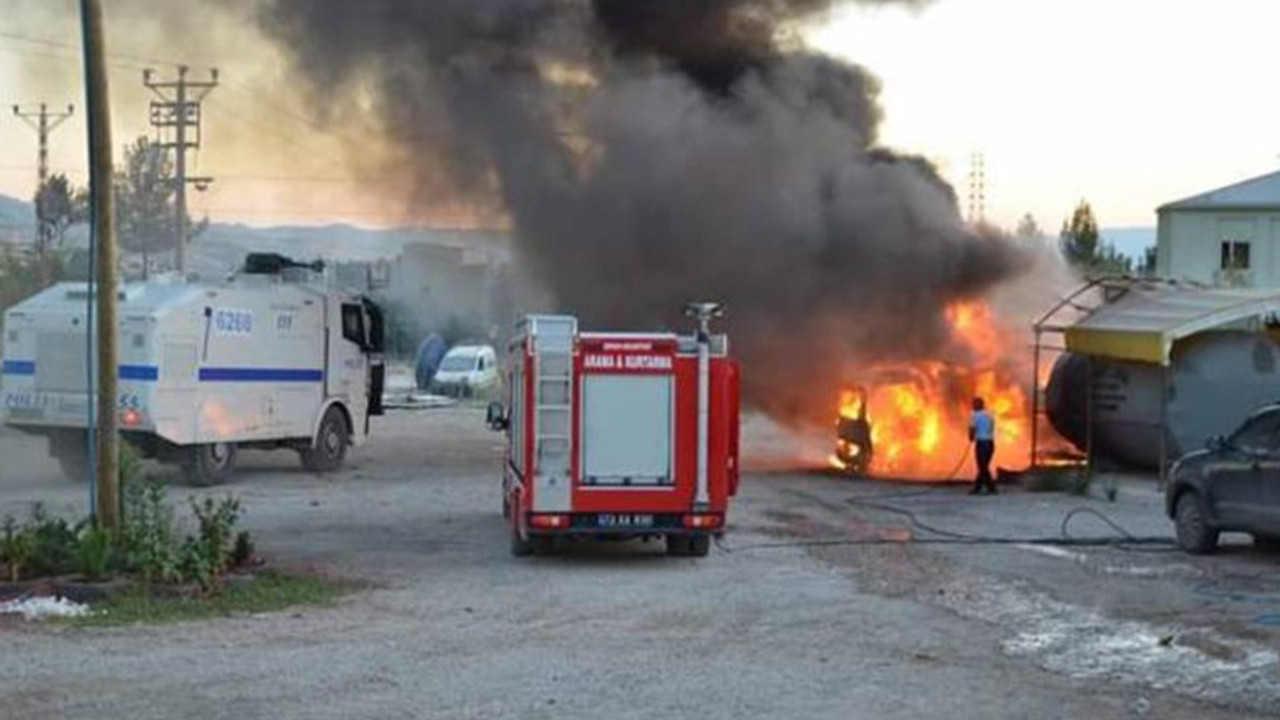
(812, 607)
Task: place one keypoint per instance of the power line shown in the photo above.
(117, 58)
(178, 110)
(44, 122)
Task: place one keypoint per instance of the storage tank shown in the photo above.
(1215, 380)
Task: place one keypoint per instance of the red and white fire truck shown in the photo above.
(618, 434)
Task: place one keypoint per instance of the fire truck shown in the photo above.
(618, 435)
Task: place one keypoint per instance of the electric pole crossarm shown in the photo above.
(44, 123)
(176, 117)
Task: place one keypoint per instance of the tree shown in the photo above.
(1112, 262)
(1029, 232)
(58, 207)
(1149, 261)
(145, 203)
(19, 278)
(1085, 249)
(1079, 237)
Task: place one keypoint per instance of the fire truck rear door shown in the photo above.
(627, 425)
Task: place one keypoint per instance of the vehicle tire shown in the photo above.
(209, 463)
(1195, 535)
(699, 545)
(71, 450)
(330, 447)
(678, 545)
(520, 547)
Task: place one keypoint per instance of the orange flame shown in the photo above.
(919, 412)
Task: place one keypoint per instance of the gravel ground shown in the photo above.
(454, 627)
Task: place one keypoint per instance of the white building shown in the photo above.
(1229, 236)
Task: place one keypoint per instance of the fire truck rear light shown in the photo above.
(549, 521)
(702, 521)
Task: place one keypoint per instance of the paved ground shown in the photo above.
(812, 608)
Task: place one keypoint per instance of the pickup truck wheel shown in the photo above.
(1195, 535)
(209, 463)
(330, 447)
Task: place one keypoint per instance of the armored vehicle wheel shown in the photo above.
(210, 463)
(330, 447)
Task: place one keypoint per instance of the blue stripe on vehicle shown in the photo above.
(19, 367)
(127, 372)
(142, 373)
(260, 375)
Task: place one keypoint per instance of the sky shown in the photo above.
(1125, 103)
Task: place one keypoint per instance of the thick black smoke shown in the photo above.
(651, 152)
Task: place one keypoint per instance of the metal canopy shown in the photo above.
(1145, 322)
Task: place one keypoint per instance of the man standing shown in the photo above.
(982, 433)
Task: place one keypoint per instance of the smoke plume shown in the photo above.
(652, 152)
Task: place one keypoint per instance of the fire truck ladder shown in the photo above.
(553, 351)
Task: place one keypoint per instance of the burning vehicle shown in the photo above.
(854, 444)
(909, 419)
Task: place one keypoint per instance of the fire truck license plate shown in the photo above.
(607, 520)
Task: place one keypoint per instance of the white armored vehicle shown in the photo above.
(267, 359)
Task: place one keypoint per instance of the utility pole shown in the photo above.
(98, 113)
(44, 123)
(176, 112)
(977, 210)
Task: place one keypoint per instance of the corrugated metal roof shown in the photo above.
(1260, 193)
(1145, 323)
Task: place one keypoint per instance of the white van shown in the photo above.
(467, 370)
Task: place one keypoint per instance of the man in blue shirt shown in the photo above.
(982, 433)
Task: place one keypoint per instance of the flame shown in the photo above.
(919, 412)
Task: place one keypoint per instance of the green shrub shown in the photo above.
(54, 544)
(16, 548)
(147, 539)
(242, 553)
(146, 544)
(130, 468)
(95, 552)
(207, 555)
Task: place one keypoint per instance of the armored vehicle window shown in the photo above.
(353, 324)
